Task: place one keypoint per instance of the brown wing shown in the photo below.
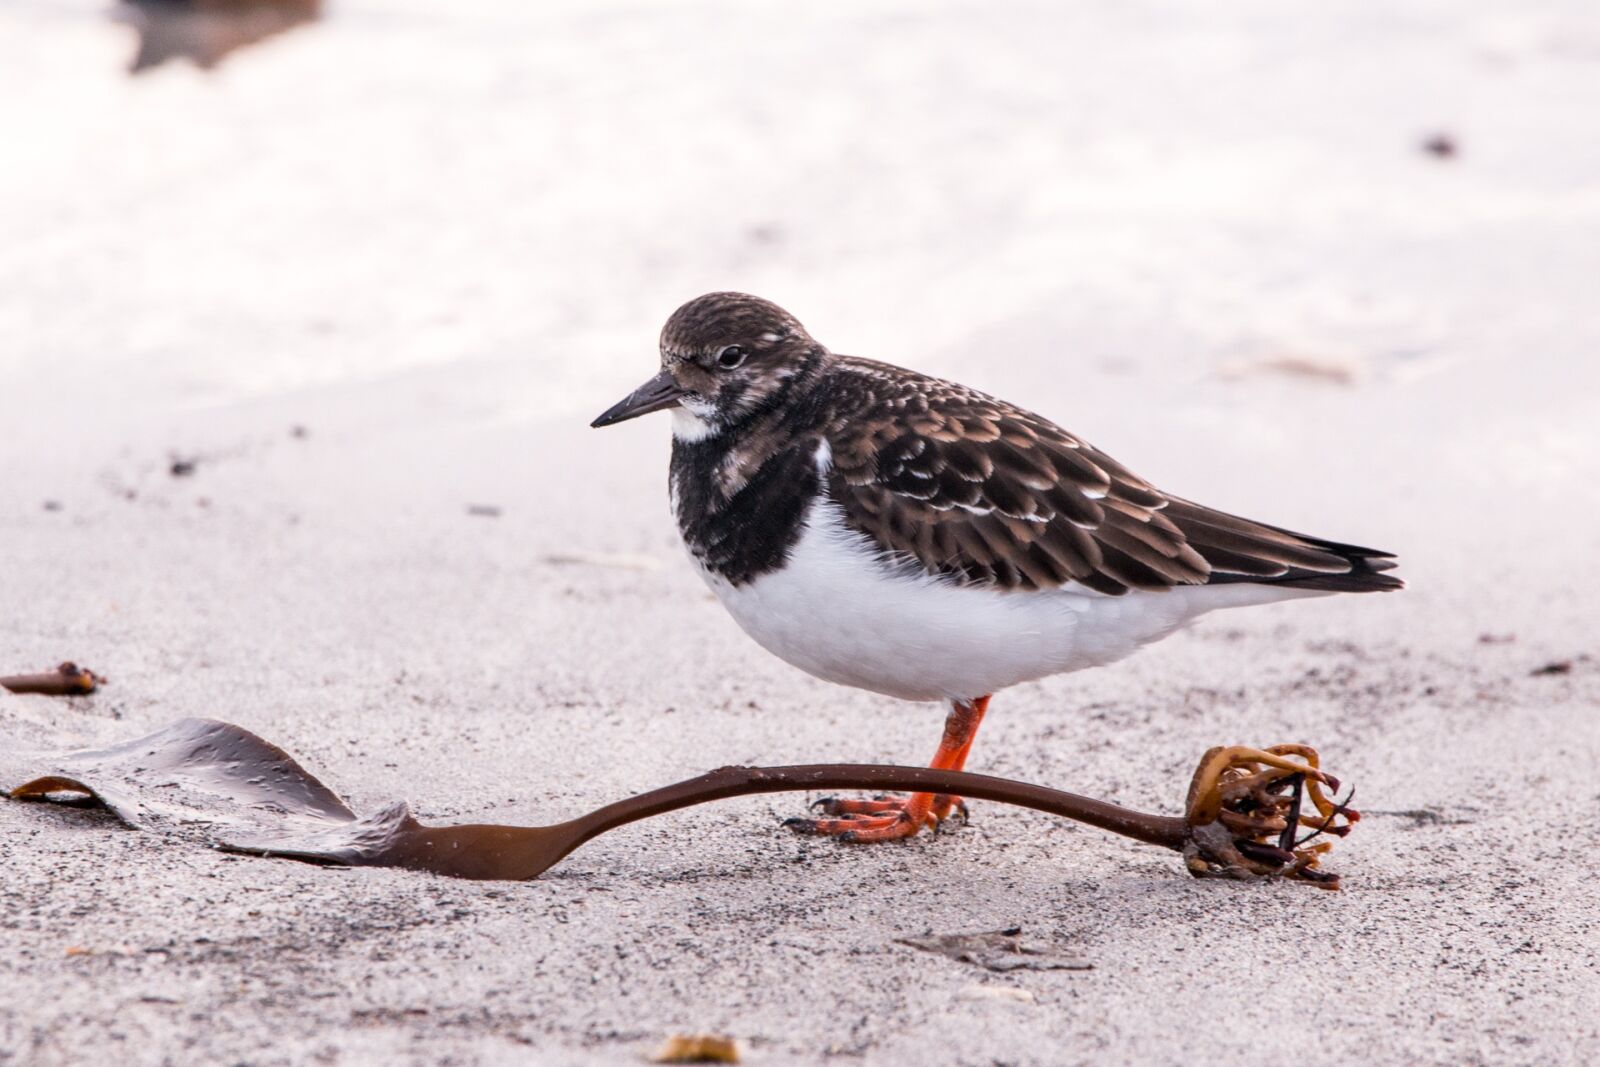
(975, 489)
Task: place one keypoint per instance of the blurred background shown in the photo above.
(1334, 267)
(1207, 239)
(1330, 266)
(522, 192)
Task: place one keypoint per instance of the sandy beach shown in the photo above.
(364, 284)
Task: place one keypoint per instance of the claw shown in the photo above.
(879, 819)
(878, 805)
(945, 805)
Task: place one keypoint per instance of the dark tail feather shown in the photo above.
(1366, 575)
(1240, 550)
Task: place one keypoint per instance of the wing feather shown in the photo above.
(974, 489)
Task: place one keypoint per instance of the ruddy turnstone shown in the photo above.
(883, 529)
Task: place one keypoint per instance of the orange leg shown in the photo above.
(891, 818)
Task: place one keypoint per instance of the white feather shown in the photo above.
(688, 426)
(838, 611)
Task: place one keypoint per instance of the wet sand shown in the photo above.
(354, 299)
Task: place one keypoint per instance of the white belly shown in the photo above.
(838, 612)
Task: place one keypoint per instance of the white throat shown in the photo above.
(688, 427)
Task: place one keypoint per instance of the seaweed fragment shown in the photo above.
(1245, 815)
(232, 790)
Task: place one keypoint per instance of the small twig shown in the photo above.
(67, 680)
(1286, 839)
(1326, 826)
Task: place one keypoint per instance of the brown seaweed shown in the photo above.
(218, 781)
(67, 680)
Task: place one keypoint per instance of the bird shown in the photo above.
(887, 530)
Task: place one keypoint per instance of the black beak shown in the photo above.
(658, 393)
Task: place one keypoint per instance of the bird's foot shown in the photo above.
(879, 819)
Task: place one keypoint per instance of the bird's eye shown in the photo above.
(730, 357)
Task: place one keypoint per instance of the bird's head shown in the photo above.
(725, 359)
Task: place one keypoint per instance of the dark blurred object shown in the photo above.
(697, 1048)
(1441, 146)
(203, 31)
(67, 680)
